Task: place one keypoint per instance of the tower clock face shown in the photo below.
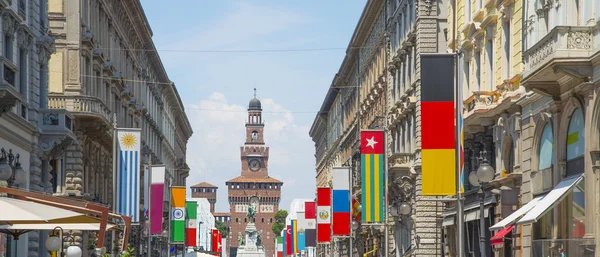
(254, 135)
(254, 165)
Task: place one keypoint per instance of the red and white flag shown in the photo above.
(323, 215)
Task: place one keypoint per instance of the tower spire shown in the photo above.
(254, 92)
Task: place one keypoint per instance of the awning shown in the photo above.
(517, 214)
(553, 197)
(448, 221)
(474, 214)
(64, 226)
(498, 238)
(15, 211)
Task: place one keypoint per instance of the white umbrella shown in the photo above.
(52, 226)
(16, 211)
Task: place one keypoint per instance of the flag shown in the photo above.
(288, 240)
(128, 172)
(215, 240)
(438, 154)
(372, 156)
(323, 215)
(302, 226)
(279, 246)
(191, 213)
(219, 241)
(157, 196)
(177, 214)
(222, 249)
(301, 240)
(341, 201)
(310, 214)
(355, 209)
(295, 236)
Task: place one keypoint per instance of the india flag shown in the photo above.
(177, 214)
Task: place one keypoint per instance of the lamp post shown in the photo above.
(54, 243)
(10, 168)
(484, 174)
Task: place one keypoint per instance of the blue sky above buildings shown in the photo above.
(216, 86)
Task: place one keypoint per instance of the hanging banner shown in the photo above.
(191, 213)
(310, 214)
(128, 174)
(323, 215)
(438, 149)
(341, 201)
(146, 191)
(177, 214)
(157, 196)
(215, 240)
(372, 154)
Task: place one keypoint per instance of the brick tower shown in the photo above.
(254, 186)
(206, 190)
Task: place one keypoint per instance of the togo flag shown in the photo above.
(372, 154)
(177, 214)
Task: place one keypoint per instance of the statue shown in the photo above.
(251, 213)
(240, 239)
(258, 239)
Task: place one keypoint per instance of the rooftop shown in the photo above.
(205, 185)
(242, 179)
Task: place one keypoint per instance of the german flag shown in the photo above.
(437, 125)
(372, 155)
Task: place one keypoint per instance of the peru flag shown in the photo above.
(323, 215)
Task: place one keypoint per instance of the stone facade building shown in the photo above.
(254, 186)
(205, 190)
(97, 77)
(377, 87)
(30, 133)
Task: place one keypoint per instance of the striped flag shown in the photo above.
(438, 154)
(191, 213)
(323, 215)
(341, 201)
(310, 214)
(295, 236)
(288, 240)
(157, 196)
(128, 173)
(279, 246)
(177, 214)
(372, 154)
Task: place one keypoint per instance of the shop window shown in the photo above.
(575, 143)
(578, 212)
(546, 157)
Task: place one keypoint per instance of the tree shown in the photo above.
(279, 224)
(222, 227)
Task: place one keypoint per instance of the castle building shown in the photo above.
(254, 185)
(205, 190)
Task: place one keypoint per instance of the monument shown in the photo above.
(251, 244)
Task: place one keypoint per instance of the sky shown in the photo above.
(216, 86)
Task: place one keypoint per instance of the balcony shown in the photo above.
(486, 104)
(400, 162)
(565, 50)
(81, 106)
(581, 247)
(56, 131)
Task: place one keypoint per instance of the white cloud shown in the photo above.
(214, 149)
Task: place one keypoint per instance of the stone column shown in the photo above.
(74, 169)
(591, 176)
(35, 184)
(595, 156)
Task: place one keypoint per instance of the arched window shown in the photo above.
(575, 143)
(546, 157)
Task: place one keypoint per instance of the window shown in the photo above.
(8, 47)
(467, 74)
(23, 72)
(478, 70)
(578, 212)
(575, 143)
(467, 11)
(263, 220)
(43, 87)
(489, 48)
(507, 68)
(546, 154)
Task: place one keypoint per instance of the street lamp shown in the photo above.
(10, 168)
(484, 174)
(54, 242)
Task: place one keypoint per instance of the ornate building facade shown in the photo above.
(106, 72)
(254, 186)
(30, 133)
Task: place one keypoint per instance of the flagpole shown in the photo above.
(351, 252)
(149, 204)
(385, 159)
(114, 177)
(458, 136)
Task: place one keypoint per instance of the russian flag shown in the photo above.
(341, 201)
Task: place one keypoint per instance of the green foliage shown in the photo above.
(222, 227)
(279, 224)
(129, 253)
